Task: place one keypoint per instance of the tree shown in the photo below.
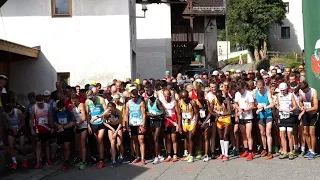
(249, 21)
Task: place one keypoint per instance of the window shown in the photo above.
(61, 8)
(64, 78)
(285, 32)
(287, 6)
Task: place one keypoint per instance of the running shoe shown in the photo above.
(291, 156)
(244, 154)
(14, 166)
(113, 164)
(302, 154)
(49, 162)
(168, 159)
(269, 156)
(250, 157)
(143, 162)
(307, 154)
(199, 155)
(175, 158)
(225, 158)
(311, 156)
(191, 159)
(24, 163)
(161, 159)
(64, 167)
(220, 157)
(83, 166)
(264, 153)
(156, 160)
(185, 158)
(136, 160)
(283, 156)
(100, 164)
(121, 160)
(38, 166)
(236, 152)
(205, 158)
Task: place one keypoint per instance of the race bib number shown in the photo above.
(15, 127)
(262, 105)
(43, 121)
(135, 120)
(186, 115)
(202, 113)
(63, 120)
(152, 112)
(284, 115)
(307, 105)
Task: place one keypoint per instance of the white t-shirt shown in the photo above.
(244, 101)
(210, 97)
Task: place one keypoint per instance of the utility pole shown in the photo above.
(226, 17)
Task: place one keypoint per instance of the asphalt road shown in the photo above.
(259, 168)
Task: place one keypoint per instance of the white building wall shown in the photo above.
(93, 45)
(294, 20)
(154, 53)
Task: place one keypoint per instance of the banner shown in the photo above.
(311, 24)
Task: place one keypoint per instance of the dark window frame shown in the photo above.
(285, 29)
(287, 7)
(53, 10)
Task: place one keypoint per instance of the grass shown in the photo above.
(235, 60)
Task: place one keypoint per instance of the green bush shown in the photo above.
(286, 62)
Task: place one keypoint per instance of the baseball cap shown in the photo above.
(167, 72)
(232, 70)
(283, 86)
(279, 71)
(199, 80)
(215, 73)
(271, 67)
(262, 70)
(137, 81)
(47, 93)
(3, 76)
(238, 71)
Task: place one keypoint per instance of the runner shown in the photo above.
(135, 115)
(190, 118)
(286, 105)
(244, 103)
(114, 124)
(172, 125)
(81, 128)
(204, 126)
(265, 104)
(63, 120)
(211, 97)
(14, 123)
(298, 127)
(155, 113)
(222, 110)
(309, 108)
(96, 109)
(40, 119)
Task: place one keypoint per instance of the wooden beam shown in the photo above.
(18, 49)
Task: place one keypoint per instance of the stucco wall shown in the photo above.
(93, 45)
(294, 20)
(154, 51)
(32, 75)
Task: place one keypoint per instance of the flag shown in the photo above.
(311, 25)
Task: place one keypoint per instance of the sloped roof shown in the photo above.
(208, 7)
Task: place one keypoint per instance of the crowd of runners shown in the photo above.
(234, 113)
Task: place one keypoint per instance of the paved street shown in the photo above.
(234, 169)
